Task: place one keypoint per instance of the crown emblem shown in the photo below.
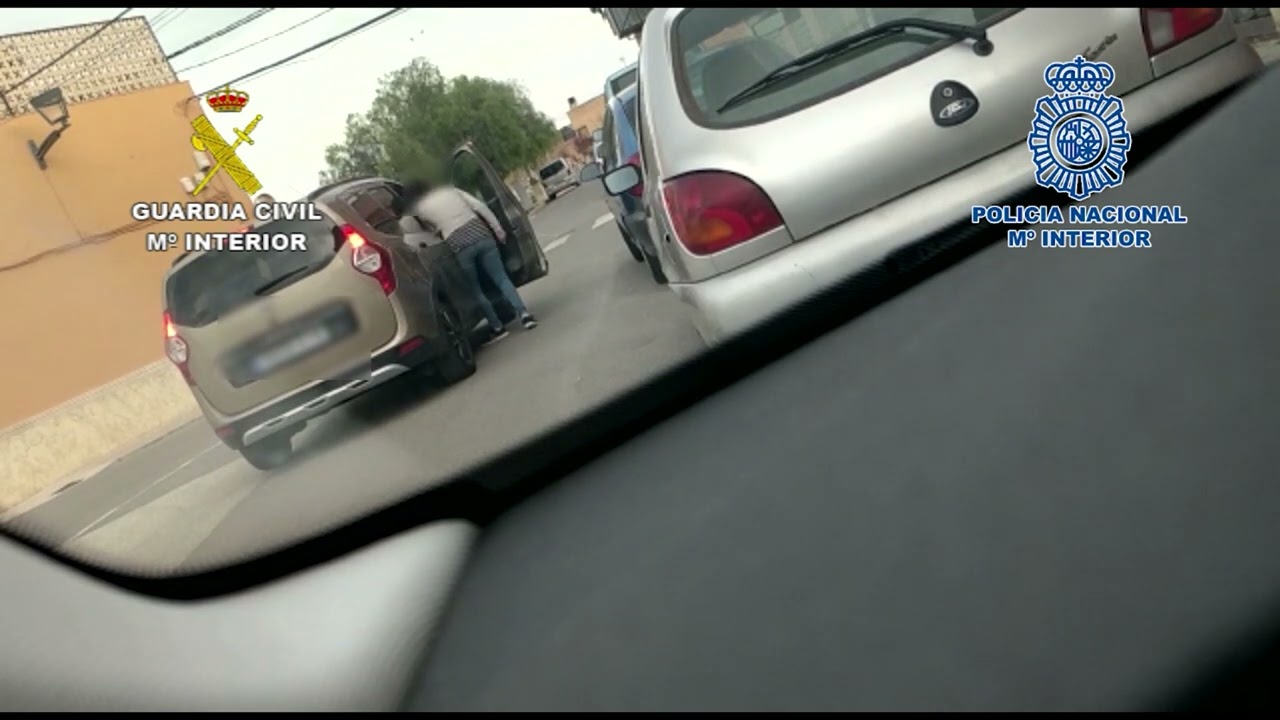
(1079, 76)
(227, 100)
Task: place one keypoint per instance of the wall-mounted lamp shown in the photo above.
(52, 106)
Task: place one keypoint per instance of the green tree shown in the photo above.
(418, 118)
(360, 154)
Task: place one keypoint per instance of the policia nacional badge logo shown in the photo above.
(1079, 139)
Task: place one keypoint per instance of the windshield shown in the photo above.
(551, 169)
(721, 51)
(214, 283)
(169, 408)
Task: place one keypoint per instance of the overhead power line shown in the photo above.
(219, 33)
(69, 50)
(159, 23)
(259, 42)
(340, 36)
(142, 34)
(301, 59)
(160, 16)
(92, 64)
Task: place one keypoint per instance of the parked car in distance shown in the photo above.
(270, 340)
(812, 145)
(556, 177)
(622, 146)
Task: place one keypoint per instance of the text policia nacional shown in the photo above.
(1110, 237)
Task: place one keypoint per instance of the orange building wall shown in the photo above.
(589, 115)
(80, 307)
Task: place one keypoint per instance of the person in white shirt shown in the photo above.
(473, 233)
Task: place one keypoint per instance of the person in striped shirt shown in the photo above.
(473, 233)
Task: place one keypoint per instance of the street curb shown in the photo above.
(89, 472)
(43, 453)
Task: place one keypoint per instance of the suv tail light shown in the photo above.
(711, 211)
(175, 348)
(638, 190)
(370, 259)
(1165, 27)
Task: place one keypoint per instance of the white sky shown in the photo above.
(555, 53)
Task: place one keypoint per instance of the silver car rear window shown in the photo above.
(719, 52)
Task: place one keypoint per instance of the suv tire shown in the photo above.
(458, 361)
(269, 454)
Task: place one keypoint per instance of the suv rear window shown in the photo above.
(719, 52)
(551, 169)
(220, 281)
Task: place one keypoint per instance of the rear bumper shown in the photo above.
(728, 304)
(318, 399)
(556, 189)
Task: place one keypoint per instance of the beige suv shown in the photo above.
(270, 340)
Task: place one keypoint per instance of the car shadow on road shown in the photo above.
(378, 407)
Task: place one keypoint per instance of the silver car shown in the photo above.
(783, 150)
(556, 177)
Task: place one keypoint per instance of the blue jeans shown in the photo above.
(483, 256)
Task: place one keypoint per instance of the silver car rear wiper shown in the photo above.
(981, 46)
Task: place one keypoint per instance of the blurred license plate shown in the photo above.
(295, 348)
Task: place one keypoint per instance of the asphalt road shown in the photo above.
(187, 501)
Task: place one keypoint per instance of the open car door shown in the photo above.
(521, 253)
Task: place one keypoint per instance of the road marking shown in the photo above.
(97, 523)
(556, 243)
(163, 532)
(601, 220)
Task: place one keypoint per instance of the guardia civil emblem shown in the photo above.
(1079, 140)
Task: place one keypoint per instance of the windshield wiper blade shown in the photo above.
(981, 46)
(281, 280)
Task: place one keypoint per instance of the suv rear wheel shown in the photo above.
(459, 360)
(270, 453)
